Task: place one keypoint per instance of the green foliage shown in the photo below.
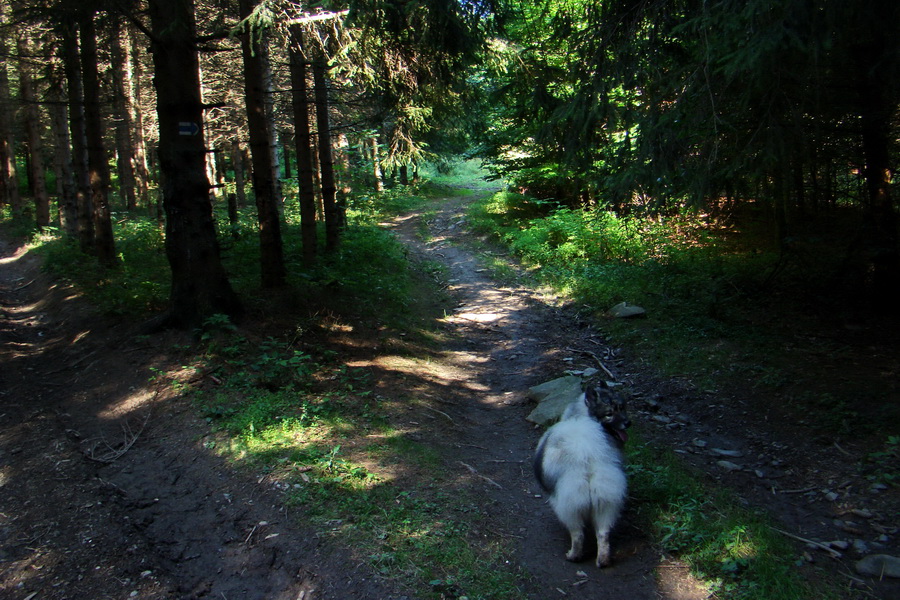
(139, 285)
(885, 464)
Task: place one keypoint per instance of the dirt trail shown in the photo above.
(513, 337)
(167, 519)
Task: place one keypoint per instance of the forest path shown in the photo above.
(509, 337)
(512, 337)
(107, 490)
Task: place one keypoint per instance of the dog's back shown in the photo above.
(580, 466)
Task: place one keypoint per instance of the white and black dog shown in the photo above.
(579, 463)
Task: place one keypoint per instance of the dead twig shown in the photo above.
(834, 553)
(113, 453)
(798, 491)
(477, 474)
(596, 359)
(440, 412)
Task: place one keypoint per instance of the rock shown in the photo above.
(839, 544)
(860, 547)
(879, 565)
(699, 443)
(623, 310)
(661, 419)
(729, 466)
(553, 397)
(831, 496)
(728, 453)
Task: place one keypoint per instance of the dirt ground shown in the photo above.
(108, 491)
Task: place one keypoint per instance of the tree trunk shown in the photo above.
(62, 157)
(84, 222)
(882, 237)
(122, 110)
(200, 287)
(264, 185)
(303, 143)
(286, 151)
(33, 131)
(875, 60)
(9, 182)
(376, 165)
(97, 159)
(326, 161)
(134, 89)
(237, 162)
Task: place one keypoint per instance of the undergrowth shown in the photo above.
(731, 548)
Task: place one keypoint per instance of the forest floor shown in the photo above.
(107, 489)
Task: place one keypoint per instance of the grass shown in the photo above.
(731, 548)
(331, 444)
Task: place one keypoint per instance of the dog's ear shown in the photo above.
(598, 402)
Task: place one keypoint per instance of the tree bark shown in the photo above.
(98, 162)
(33, 131)
(84, 222)
(134, 88)
(376, 165)
(122, 107)
(303, 143)
(237, 162)
(200, 287)
(333, 220)
(264, 186)
(67, 204)
(9, 182)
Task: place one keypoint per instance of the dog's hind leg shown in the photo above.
(604, 517)
(572, 517)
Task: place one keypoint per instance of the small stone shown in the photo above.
(759, 473)
(879, 565)
(729, 466)
(623, 310)
(831, 496)
(728, 453)
(661, 419)
(699, 443)
(839, 544)
(877, 487)
(862, 512)
(860, 547)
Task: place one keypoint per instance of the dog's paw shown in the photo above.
(603, 560)
(573, 556)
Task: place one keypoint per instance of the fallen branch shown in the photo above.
(597, 359)
(440, 412)
(798, 491)
(834, 553)
(113, 453)
(477, 474)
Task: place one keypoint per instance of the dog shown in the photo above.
(578, 462)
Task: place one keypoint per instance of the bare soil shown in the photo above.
(107, 489)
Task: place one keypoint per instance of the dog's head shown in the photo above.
(608, 408)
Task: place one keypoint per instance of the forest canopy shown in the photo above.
(786, 108)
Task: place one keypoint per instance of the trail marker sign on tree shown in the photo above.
(188, 128)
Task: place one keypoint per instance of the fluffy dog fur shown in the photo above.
(579, 463)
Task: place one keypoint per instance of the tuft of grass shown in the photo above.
(733, 549)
